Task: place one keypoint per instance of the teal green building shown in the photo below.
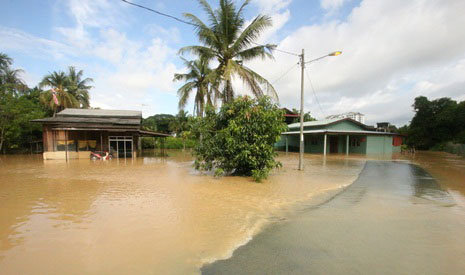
(343, 136)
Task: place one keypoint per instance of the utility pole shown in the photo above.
(301, 154)
(302, 65)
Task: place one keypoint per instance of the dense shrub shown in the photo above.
(170, 143)
(239, 138)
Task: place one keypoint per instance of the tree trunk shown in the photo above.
(229, 94)
(2, 139)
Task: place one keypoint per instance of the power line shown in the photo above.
(283, 75)
(317, 101)
(278, 50)
(187, 22)
(161, 13)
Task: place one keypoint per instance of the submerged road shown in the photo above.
(394, 219)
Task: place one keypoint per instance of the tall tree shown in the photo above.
(199, 78)
(228, 40)
(59, 83)
(5, 61)
(79, 87)
(18, 105)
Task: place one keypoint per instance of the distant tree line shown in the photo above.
(19, 103)
(436, 122)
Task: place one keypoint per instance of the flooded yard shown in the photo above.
(149, 215)
(154, 215)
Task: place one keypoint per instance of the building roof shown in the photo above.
(100, 113)
(316, 123)
(88, 120)
(94, 118)
(348, 132)
(326, 122)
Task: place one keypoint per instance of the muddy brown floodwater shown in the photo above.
(144, 216)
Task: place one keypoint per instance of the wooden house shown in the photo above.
(74, 133)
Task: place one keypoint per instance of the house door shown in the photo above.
(120, 146)
(333, 144)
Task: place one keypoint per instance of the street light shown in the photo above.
(302, 64)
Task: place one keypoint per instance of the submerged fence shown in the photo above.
(453, 148)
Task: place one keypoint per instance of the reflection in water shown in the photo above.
(147, 215)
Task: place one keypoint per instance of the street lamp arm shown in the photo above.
(331, 54)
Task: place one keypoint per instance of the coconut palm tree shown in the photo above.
(198, 78)
(79, 87)
(11, 81)
(59, 83)
(228, 40)
(5, 61)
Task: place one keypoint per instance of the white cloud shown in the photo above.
(386, 45)
(332, 4)
(272, 6)
(17, 40)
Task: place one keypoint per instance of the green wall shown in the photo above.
(371, 144)
(362, 149)
(379, 144)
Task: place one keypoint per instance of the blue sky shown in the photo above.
(393, 51)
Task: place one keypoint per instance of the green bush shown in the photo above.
(170, 143)
(239, 138)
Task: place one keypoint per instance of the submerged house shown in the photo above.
(74, 133)
(341, 135)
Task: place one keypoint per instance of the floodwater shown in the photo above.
(145, 216)
(395, 219)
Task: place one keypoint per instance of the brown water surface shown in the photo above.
(144, 216)
(448, 169)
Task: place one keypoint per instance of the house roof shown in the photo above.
(100, 113)
(326, 122)
(94, 118)
(348, 132)
(88, 120)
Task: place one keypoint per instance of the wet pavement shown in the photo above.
(394, 219)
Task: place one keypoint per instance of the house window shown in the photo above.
(87, 145)
(62, 144)
(354, 142)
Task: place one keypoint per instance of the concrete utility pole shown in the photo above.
(302, 144)
(302, 66)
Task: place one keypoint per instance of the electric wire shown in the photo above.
(314, 93)
(160, 13)
(189, 23)
(278, 50)
(284, 74)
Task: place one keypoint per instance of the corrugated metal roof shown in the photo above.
(90, 120)
(353, 132)
(99, 113)
(315, 123)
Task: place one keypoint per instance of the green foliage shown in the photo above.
(229, 41)
(200, 78)
(170, 143)
(18, 105)
(71, 90)
(307, 116)
(239, 138)
(159, 123)
(435, 123)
